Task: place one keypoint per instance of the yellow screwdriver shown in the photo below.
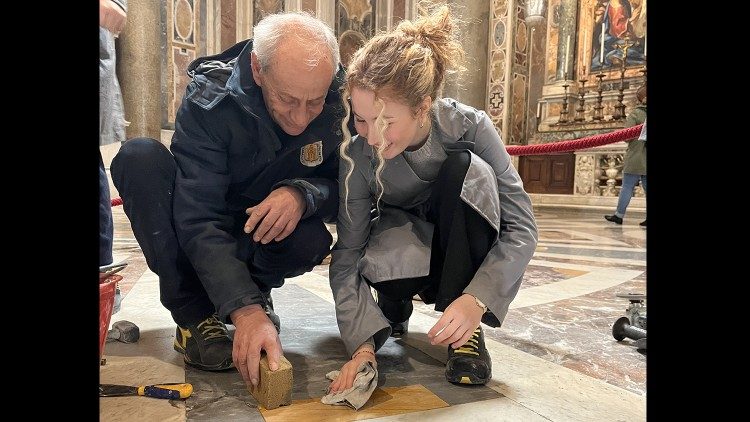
(160, 391)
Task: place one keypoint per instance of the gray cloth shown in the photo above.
(357, 395)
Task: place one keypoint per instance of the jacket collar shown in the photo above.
(448, 124)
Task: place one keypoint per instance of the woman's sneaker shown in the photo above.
(205, 345)
(470, 363)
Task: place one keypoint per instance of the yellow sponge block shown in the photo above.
(274, 388)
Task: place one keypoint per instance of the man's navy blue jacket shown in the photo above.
(229, 157)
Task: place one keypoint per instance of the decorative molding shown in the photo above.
(292, 5)
(244, 11)
(584, 175)
(325, 10)
(213, 27)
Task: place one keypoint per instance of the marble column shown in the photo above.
(139, 68)
(471, 86)
(326, 11)
(566, 40)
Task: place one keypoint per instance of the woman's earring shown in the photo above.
(421, 123)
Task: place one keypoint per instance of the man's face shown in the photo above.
(294, 92)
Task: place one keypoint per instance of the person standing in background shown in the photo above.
(634, 169)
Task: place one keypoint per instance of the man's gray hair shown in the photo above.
(314, 34)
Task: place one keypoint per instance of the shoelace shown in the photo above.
(212, 328)
(471, 347)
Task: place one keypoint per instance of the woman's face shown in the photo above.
(398, 125)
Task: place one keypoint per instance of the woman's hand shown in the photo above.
(458, 322)
(345, 380)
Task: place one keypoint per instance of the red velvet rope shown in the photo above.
(576, 144)
(562, 146)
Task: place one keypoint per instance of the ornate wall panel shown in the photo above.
(355, 24)
(228, 23)
(398, 11)
(517, 108)
(496, 103)
(263, 8)
(182, 21)
(553, 32)
(308, 5)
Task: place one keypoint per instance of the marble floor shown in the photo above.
(554, 358)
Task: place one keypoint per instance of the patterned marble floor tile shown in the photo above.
(560, 323)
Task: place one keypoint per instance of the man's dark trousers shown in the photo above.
(144, 174)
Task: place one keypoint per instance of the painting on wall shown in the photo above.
(613, 33)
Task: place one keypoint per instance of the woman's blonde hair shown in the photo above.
(406, 65)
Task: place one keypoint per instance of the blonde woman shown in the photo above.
(452, 221)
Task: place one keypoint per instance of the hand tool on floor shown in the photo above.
(124, 331)
(113, 268)
(623, 329)
(159, 391)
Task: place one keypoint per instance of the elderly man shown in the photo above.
(241, 201)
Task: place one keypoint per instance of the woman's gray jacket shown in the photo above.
(396, 244)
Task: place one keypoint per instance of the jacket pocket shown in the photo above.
(399, 247)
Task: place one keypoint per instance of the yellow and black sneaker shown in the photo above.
(470, 363)
(206, 345)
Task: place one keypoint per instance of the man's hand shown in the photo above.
(345, 380)
(111, 16)
(458, 322)
(255, 332)
(278, 215)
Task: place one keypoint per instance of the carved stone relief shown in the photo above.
(585, 175)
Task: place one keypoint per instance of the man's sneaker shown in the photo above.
(613, 218)
(206, 345)
(397, 313)
(470, 363)
(642, 223)
(268, 307)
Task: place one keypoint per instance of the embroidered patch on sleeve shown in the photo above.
(311, 155)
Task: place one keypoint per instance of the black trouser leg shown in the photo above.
(462, 236)
(294, 255)
(394, 296)
(106, 228)
(460, 243)
(144, 173)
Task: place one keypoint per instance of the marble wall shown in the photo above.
(516, 67)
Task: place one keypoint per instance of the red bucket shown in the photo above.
(107, 284)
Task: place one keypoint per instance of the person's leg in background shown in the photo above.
(643, 183)
(629, 181)
(144, 174)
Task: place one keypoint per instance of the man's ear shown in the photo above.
(255, 66)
